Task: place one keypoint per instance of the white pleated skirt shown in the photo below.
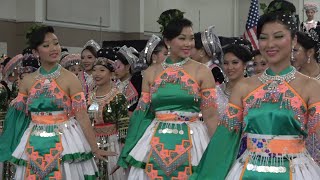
(140, 152)
(73, 142)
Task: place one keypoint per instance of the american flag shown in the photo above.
(251, 26)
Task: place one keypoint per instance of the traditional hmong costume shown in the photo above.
(276, 121)
(110, 120)
(131, 87)
(166, 139)
(41, 135)
(307, 25)
(5, 171)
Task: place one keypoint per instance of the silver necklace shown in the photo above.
(175, 66)
(46, 78)
(53, 75)
(278, 79)
(318, 77)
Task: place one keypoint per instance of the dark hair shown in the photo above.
(122, 58)
(159, 47)
(281, 6)
(289, 21)
(197, 41)
(307, 43)
(239, 51)
(174, 28)
(91, 49)
(255, 53)
(5, 62)
(104, 55)
(37, 35)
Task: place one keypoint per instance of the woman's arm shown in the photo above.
(208, 99)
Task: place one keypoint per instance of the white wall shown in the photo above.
(212, 12)
(8, 9)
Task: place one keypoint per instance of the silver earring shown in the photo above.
(292, 56)
(39, 64)
(309, 59)
(169, 49)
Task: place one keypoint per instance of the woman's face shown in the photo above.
(49, 51)
(300, 56)
(87, 59)
(310, 14)
(75, 69)
(160, 56)
(259, 64)
(121, 70)
(233, 66)
(101, 75)
(181, 46)
(275, 43)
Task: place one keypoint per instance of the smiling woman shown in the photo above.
(51, 111)
(167, 118)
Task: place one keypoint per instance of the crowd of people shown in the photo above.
(186, 107)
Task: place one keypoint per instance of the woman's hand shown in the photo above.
(102, 154)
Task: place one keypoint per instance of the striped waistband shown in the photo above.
(177, 116)
(53, 117)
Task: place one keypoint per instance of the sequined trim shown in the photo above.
(19, 103)
(50, 90)
(177, 77)
(144, 102)
(285, 95)
(176, 116)
(168, 160)
(41, 166)
(208, 98)
(232, 118)
(313, 139)
(78, 102)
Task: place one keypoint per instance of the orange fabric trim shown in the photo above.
(44, 161)
(235, 106)
(174, 117)
(149, 167)
(244, 168)
(295, 92)
(208, 98)
(166, 71)
(49, 119)
(314, 105)
(278, 146)
(253, 92)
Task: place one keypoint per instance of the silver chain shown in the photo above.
(53, 75)
(278, 79)
(176, 66)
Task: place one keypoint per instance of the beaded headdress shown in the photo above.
(310, 6)
(93, 44)
(70, 60)
(30, 63)
(106, 58)
(13, 64)
(145, 55)
(211, 44)
(314, 33)
(128, 53)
